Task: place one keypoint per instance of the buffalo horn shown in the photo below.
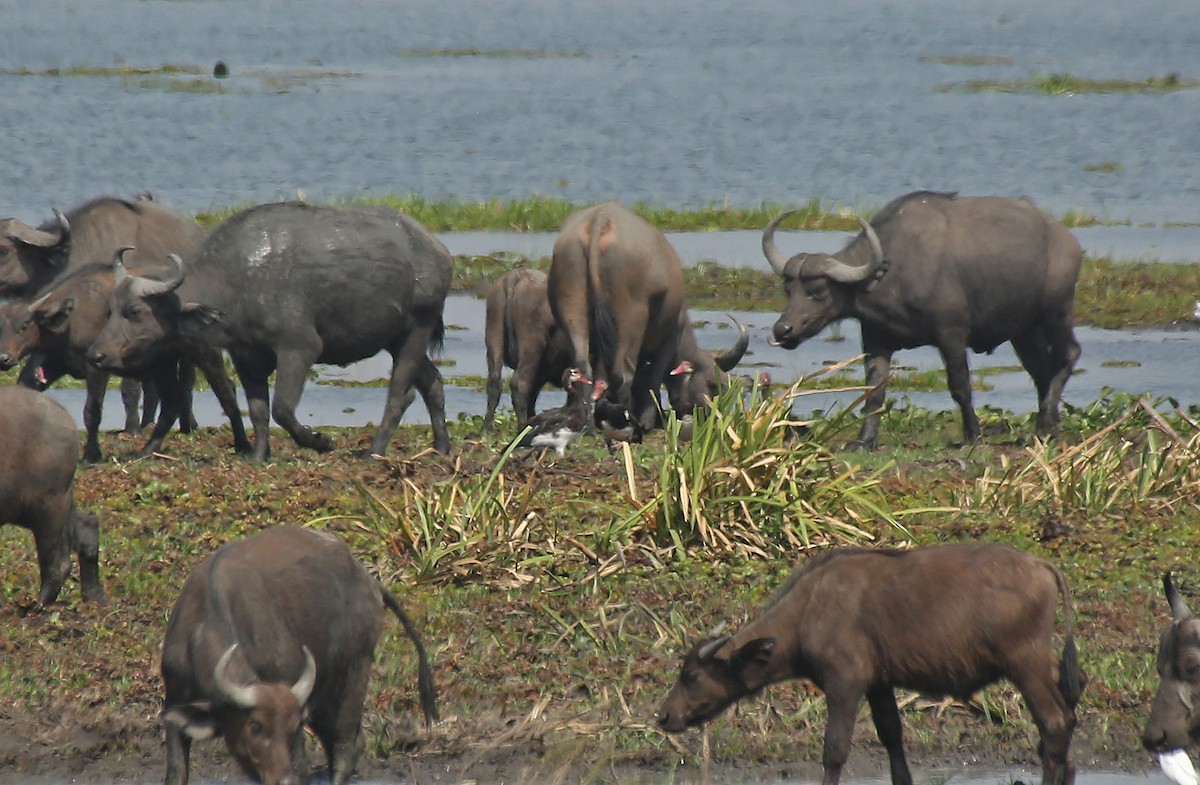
(148, 287)
(239, 695)
(770, 250)
(304, 685)
(1179, 608)
(709, 650)
(24, 233)
(853, 273)
(728, 360)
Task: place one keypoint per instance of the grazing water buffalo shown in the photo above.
(521, 333)
(934, 269)
(616, 289)
(945, 620)
(37, 477)
(59, 327)
(1174, 722)
(269, 633)
(283, 286)
(696, 376)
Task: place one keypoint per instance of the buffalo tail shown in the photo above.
(425, 686)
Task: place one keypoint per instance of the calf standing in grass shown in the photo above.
(943, 620)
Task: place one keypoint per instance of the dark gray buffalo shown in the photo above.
(283, 286)
(37, 479)
(932, 269)
(943, 620)
(1174, 722)
(32, 258)
(59, 327)
(271, 633)
(616, 290)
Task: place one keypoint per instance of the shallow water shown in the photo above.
(1157, 362)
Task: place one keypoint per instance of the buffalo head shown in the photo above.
(818, 286)
(261, 722)
(30, 256)
(708, 682)
(1174, 719)
(146, 316)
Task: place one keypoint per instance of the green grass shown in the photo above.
(966, 60)
(1069, 84)
(555, 602)
(494, 54)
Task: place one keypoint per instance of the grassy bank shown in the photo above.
(557, 593)
(547, 213)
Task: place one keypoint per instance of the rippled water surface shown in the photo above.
(679, 102)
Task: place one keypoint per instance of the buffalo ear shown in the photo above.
(194, 317)
(55, 318)
(196, 720)
(753, 656)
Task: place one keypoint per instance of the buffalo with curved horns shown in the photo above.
(933, 269)
(283, 286)
(271, 633)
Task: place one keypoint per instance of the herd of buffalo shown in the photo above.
(278, 630)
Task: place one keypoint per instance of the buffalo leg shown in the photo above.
(291, 373)
(258, 403)
(411, 364)
(1055, 719)
(53, 553)
(212, 365)
(878, 364)
(1064, 353)
(341, 734)
(647, 405)
(432, 388)
(85, 539)
(841, 706)
(891, 734)
(167, 384)
(93, 406)
(958, 379)
(179, 747)
(131, 398)
(149, 401)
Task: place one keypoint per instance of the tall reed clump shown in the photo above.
(473, 527)
(754, 480)
(1139, 461)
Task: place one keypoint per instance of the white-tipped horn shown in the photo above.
(148, 287)
(304, 685)
(240, 695)
(770, 250)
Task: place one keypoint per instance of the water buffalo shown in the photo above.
(944, 620)
(616, 289)
(37, 477)
(1174, 722)
(935, 269)
(31, 258)
(59, 327)
(269, 633)
(283, 286)
(521, 333)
